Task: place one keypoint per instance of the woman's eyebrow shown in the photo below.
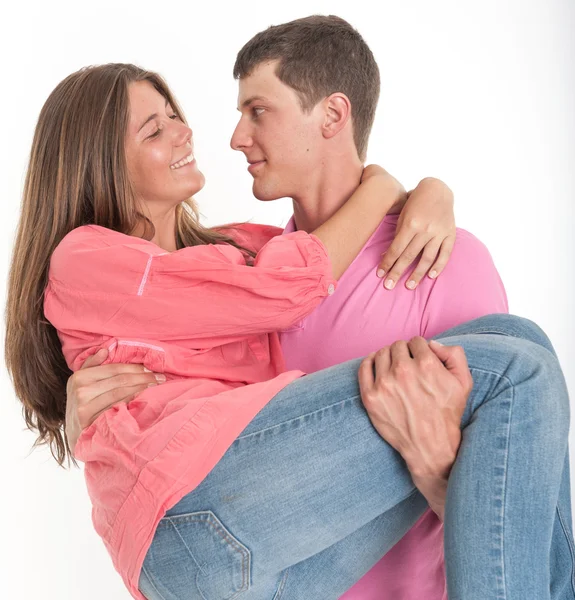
(150, 118)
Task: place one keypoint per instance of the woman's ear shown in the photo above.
(337, 114)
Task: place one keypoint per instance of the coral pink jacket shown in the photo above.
(201, 316)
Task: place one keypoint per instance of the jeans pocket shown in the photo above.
(194, 556)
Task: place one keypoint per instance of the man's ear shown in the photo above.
(337, 114)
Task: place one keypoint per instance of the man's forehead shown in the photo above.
(262, 84)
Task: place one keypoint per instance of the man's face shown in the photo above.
(282, 143)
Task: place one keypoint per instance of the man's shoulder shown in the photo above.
(469, 248)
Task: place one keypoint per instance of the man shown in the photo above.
(307, 95)
(361, 317)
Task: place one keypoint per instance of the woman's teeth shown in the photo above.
(183, 162)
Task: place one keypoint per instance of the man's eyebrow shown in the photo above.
(252, 99)
(150, 118)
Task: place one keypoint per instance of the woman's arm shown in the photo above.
(346, 232)
(426, 226)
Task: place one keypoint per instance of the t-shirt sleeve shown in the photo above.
(468, 288)
(200, 292)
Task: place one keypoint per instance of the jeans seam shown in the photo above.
(281, 586)
(504, 494)
(506, 458)
(570, 544)
(243, 437)
(152, 583)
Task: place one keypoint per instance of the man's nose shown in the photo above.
(241, 137)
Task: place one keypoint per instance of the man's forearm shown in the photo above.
(434, 490)
(430, 471)
(428, 185)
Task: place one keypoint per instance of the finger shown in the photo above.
(443, 257)
(407, 257)
(390, 256)
(399, 352)
(454, 359)
(95, 359)
(99, 373)
(117, 382)
(105, 401)
(382, 361)
(430, 254)
(420, 350)
(365, 373)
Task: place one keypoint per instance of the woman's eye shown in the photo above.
(174, 117)
(155, 134)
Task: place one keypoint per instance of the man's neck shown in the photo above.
(336, 185)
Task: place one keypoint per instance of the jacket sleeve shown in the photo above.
(130, 287)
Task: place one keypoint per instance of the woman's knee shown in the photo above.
(519, 327)
(504, 324)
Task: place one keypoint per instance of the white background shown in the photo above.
(480, 94)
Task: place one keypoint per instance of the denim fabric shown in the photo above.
(309, 497)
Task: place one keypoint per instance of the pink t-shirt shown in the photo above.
(360, 318)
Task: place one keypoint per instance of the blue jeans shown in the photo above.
(309, 497)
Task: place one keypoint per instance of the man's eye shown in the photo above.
(256, 112)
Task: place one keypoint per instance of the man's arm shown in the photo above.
(415, 394)
(469, 288)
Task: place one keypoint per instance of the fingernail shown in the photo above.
(411, 284)
(147, 370)
(101, 351)
(152, 384)
(389, 284)
(436, 343)
(160, 378)
(380, 273)
(433, 274)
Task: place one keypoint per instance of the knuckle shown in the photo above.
(117, 393)
(381, 353)
(81, 396)
(427, 363)
(122, 380)
(382, 386)
(408, 257)
(401, 369)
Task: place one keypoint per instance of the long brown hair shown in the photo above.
(77, 175)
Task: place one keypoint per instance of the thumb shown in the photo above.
(454, 359)
(96, 359)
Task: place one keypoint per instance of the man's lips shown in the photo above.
(255, 165)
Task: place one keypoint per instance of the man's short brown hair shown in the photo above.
(318, 56)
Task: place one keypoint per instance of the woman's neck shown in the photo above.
(164, 230)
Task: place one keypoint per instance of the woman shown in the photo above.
(198, 306)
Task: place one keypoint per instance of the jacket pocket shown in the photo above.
(195, 556)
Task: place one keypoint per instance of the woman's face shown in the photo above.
(159, 151)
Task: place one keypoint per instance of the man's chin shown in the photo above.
(265, 193)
